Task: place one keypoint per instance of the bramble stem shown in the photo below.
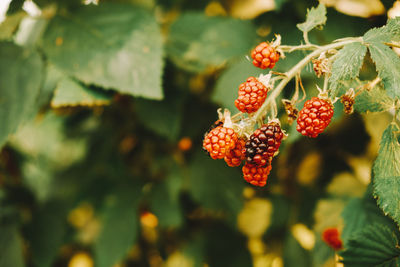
(297, 69)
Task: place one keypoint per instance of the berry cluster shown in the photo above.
(234, 138)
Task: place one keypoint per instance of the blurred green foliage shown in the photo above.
(96, 100)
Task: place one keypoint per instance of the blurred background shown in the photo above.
(108, 103)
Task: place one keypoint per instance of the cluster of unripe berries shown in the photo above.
(258, 149)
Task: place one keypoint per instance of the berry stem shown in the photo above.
(297, 69)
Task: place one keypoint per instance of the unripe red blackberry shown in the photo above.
(219, 141)
(252, 94)
(235, 156)
(331, 237)
(256, 175)
(264, 56)
(314, 117)
(264, 143)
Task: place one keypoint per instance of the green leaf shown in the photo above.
(226, 89)
(216, 186)
(315, 17)
(119, 226)
(373, 100)
(165, 200)
(10, 25)
(10, 247)
(47, 231)
(21, 75)
(347, 65)
(197, 41)
(387, 33)
(387, 173)
(110, 45)
(375, 245)
(388, 66)
(163, 117)
(71, 93)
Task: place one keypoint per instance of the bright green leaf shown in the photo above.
(119, 226)
(226, 89)
(373, 100)
(10, 247)
(387, 33)
(315, 17)
(71, 93)
(375, 245)
(197, 41)
(347, 65)
(21, 75)
(388, 66)
(111, 45)
(387, 173)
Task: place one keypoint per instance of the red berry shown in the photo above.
(263, 144)
(314, 117)
(256, 175)
(331, 237)
(219, 141)
(264, 56)
(252, 94)
(235, 156)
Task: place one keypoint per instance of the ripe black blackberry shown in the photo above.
(264, 143)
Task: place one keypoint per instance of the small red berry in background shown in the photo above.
(331, 237)
(264, 56)
(264, 143)
(314, 117)
(235, 156)
(219, 141)
(185, 144)
(252, 94)
(256, 175)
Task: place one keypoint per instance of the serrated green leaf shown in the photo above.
(21, 75)
(388, 66)
(227, 185)
(373, 100)
(347, 65)
(315, 17)
(10, 247)
(387, 173)
(387, 33)
(226, 89)
(119, 226)
(71, 93)
(375, 245)
(197, 41)
(111, 45)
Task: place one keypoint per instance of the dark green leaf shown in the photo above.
(10, 247)
(214, 185)
(47, 231)
(21, 75)
(375, 245)
(226, 89)
(119, 226)
(388, 66)
(110, 45)
(163, 117)
(387, 173)
(315, 17)
(347, 65)
(71, 93)
(197, 41)
(373, 100)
